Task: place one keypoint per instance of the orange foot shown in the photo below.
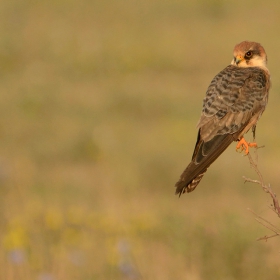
(244, 145)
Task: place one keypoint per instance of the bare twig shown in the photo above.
(266, 224)
(266, 237)
(267, 189)
(276, 230)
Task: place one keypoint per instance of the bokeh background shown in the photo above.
(99, 106)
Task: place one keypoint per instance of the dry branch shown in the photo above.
(267, 188)
(266, 224)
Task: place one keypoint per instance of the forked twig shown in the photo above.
(267, 189)
(266, 224)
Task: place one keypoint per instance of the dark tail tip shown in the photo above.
(182, 185)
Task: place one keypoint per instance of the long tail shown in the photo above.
(205, 153)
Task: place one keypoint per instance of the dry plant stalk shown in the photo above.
(267, 189)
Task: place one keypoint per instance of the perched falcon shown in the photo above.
(234, 102)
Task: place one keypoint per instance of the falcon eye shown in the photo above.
(248, 54)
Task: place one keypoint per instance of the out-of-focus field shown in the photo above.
(99, 105)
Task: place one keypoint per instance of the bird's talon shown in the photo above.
(244, 145)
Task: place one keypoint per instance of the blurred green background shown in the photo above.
(99, 106)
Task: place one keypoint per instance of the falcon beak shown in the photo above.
(237, 59)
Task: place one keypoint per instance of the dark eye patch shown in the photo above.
(248, 54)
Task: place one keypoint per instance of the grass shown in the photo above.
(99, 106)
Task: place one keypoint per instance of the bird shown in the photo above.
(234, 102)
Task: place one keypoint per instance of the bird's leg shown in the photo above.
(254, 132)
(244, 145)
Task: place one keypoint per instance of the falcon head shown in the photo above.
(249, 54)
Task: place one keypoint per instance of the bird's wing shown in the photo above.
(234, 101)
(235, 96)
